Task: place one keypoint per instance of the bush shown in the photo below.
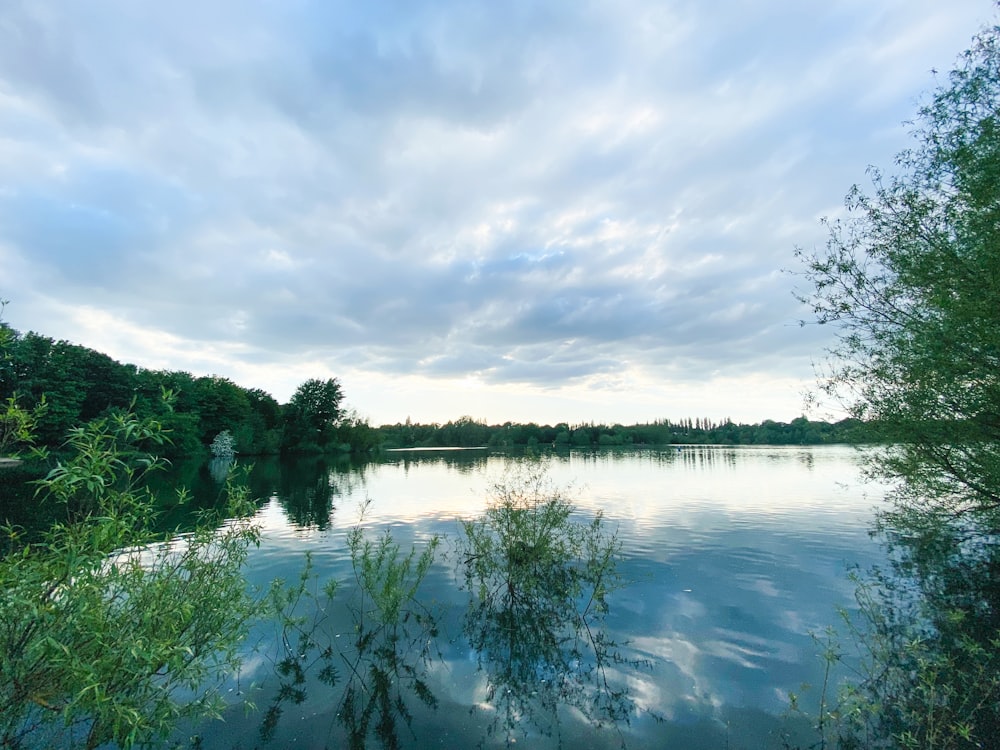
(110, 632)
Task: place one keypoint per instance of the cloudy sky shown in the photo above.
(535, 211)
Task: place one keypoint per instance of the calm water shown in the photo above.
(730, 558)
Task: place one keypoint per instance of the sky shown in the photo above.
(528, 211)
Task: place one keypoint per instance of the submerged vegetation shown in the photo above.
(539, 582)
(377, 673)
(117, 634)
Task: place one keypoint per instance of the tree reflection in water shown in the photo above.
(384, 669)
(538, 579)
(309, 487)
(394, 637)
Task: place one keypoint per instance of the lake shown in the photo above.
(730, 557)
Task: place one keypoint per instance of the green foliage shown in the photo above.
(18, 425)
(301, 610)
(539, 581)
(931, 678)
(261, 434)
(466, 432)
(312, 416)
(355, 435)
(79, 384)
(912, 281)
(109, 632)
(384, 664)
(923, 676)
(394, 636)
(387, 579)
(220, 404)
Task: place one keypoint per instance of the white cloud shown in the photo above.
(535, 212)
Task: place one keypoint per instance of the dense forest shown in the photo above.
(66, 385)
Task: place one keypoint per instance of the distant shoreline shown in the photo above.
(438, 448)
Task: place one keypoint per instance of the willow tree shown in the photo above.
(110, 631)
(911, 279)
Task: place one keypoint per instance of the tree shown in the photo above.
(264, 424)
(220, 404)
(17, 424)
(465, 432)
(41, 367)
(312, 414)
(354, 432)
(911, 279)
(109, 631)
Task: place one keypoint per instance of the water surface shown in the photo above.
(730, 558)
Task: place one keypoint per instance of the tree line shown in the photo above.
(66, 385)
(69, 385)
(469, 432)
